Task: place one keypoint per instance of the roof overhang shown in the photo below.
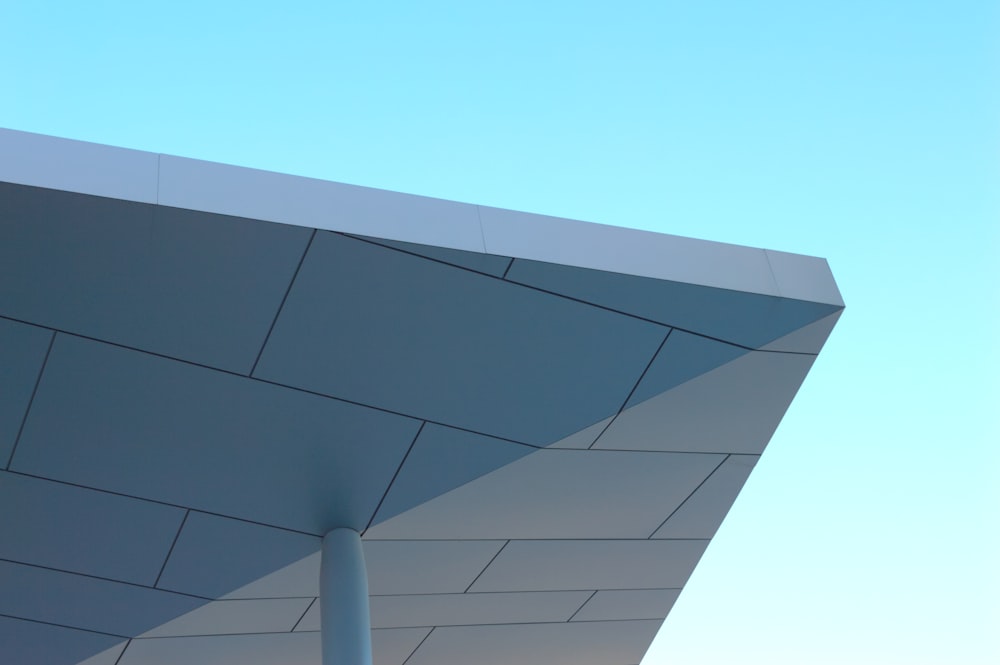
(536, 423)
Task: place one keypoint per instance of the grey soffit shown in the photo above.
(538, 424)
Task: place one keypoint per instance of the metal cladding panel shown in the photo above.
(537, 423)
(394, 331)
(614, 642)
(84, 531)
(233, 617)
(183, 284)
(442, 459)
(560, 494)
(702, 513)
(738, 317)
(465, 609)
(565, 565)
(27, 641)
(146, 426)
(88, 603)
(726, 410)
(214, 555)
(619, 605)
(389, 647)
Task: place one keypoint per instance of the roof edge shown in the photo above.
(100, 170)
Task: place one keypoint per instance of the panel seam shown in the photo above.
(31, 401)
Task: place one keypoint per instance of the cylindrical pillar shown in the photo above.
(343, 597)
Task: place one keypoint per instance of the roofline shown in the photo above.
(44, 161)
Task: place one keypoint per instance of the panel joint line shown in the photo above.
(172, 545)
(687, 498)
(308, 607)
(634, 387)
(394, 476)
(488, 564)
(417, 648)
(120, 655)
(31, 400)
(589, 598)
(277, 314)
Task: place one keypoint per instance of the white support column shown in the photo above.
(343, 589)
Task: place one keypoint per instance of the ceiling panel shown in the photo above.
(397, 567)
(620, 604)
(734, 408)
(32, 642)
(89, 603)
(389, 647)
(443, 458)
(210, 440)
(448, 345)
(215, 555)
(22, 352)
(703, 512)
(190, 285)
(394, 567)
(681, 358)
(591, 643)
(257, 649)
(474, 608)
(230, 617)
(560, 494)
(84, 531)
(465, 609)
(562, 565)
(297, 579)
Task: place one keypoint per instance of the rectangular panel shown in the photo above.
(88, 603)
(276, 197)
(84, 531)
(592, 643)
(465, 609)
(214, 555)
(560, 494)
(32, 643)
(209, 440)
(399, 332)
(703, 512)
(230, 617)
(617, 605)
(200, 287)
(389, 647)
(554, 565)
(734, 408)
(394, 567)
(398, 567)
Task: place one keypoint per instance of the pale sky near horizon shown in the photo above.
(864, 132)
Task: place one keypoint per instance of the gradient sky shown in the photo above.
(864, 132)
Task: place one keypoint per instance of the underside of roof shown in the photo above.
(536, 424)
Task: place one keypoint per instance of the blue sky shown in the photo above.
(865, 132)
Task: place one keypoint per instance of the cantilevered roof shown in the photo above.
(536, 423)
